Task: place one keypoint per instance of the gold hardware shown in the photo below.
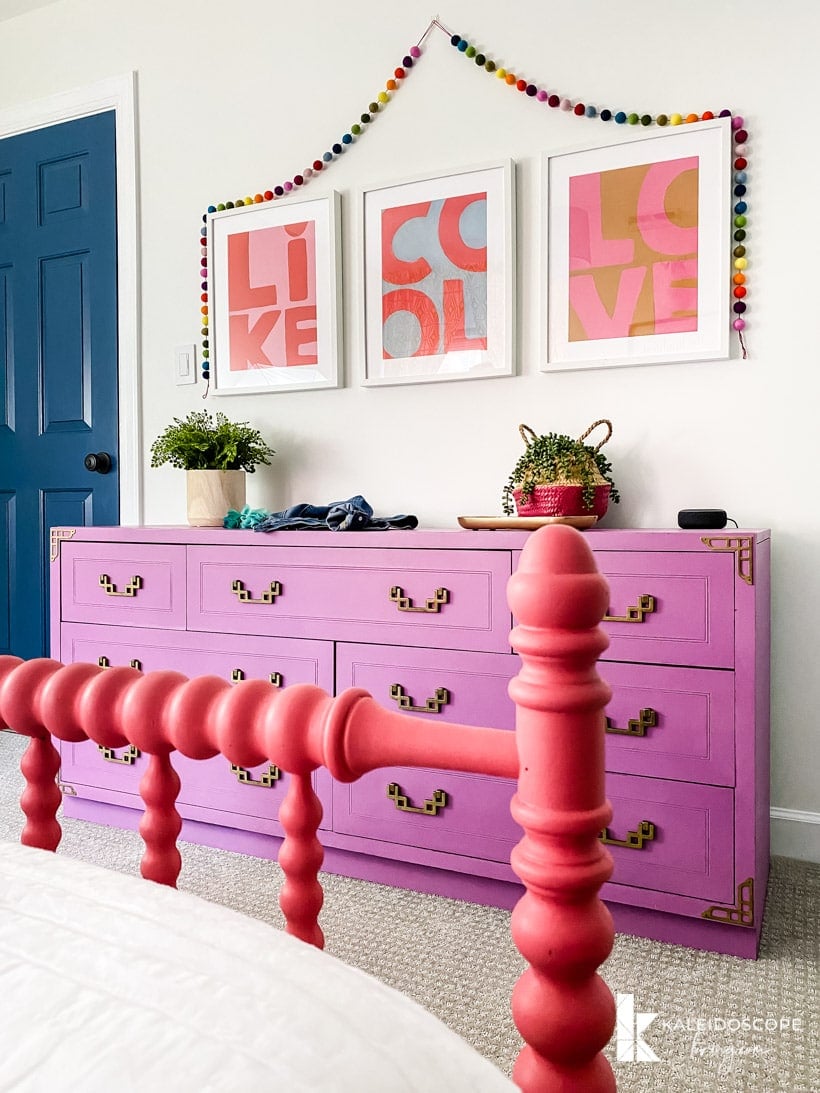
(742, 546)
(431, 606)
(104, 662)
(57, 536)
(110, 589)
(66, 789)
(237, 675)
(634, 613)
(743, 912)
(267, 779)
(634, 839)
(636, 726)
(128, 757)
(432, 705)
(268, 596)
(429, 808)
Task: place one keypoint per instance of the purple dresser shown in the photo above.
(420, 619)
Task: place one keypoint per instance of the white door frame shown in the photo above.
(117, 94)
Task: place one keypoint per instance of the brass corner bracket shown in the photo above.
(57, 536)
(743, 912)
(742, 546)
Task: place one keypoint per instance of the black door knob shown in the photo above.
(98, 461)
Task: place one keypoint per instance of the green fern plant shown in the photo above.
(557, 459)
(201, 442)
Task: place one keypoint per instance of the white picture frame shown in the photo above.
(274, 297)
(444, 310)
(612, 292)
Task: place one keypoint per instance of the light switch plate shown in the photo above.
(185, 364)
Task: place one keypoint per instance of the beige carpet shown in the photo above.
(458, 961)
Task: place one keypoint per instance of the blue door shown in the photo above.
(58, 356)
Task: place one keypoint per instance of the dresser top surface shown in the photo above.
(422, 538)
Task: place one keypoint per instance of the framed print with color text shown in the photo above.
(637, 249)
(438, 277)
(274, 308)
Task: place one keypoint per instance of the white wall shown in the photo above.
(234, 100)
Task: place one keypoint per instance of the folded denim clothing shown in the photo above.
(354, 514)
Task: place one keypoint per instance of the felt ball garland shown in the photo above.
(297, 182)
(580, 109)
(552, 100)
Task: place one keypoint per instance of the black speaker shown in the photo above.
(701, 518)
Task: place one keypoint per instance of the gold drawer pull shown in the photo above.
(634, 613)
(431, 606)
(634, 839)
(110, 589)
(237, 675)
(434, 704)
(104, 662)
(273, 590)
(267, 780)
(128, 757)
(429, 808)
(647, 719)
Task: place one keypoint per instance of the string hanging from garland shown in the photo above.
(551, 99)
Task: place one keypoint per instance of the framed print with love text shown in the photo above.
(637, 249)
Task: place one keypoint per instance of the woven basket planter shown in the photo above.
(565, 497)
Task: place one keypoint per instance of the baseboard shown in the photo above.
(796, 834)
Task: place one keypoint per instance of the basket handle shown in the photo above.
(527, 434)
(594, 425)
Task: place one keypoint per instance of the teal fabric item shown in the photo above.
(247, 519)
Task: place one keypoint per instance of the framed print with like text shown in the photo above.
(274, 300)
(438, 277)
(637, 249)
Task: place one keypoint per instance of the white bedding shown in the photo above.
(113, 984)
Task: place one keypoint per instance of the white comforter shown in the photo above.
(112, 984)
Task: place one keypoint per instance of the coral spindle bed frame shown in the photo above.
(563, 1009)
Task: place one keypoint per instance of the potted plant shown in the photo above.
(559, 476)
(216, 454)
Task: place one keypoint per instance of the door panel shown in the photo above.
(58, 354)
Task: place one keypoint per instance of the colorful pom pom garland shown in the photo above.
(290, 186)
(530, 90)
(740, 138)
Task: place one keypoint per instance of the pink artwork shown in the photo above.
(633, 251)
(272, 297)
(434, 276)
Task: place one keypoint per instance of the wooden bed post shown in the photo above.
(300, 858)
(41, 798)
(563, 1009)
(160, 824)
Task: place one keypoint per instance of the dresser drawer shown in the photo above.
(233, 658)
(464, 814)
(211, 784)
(441, 598)
(674, 723)
(448, 811)
(672, 836)
(443, 685)
(670, 608)
(217, 792)
(123, 584)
